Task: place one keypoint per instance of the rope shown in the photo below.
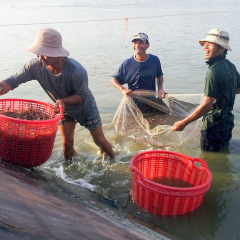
(112, 19)
(126, 41)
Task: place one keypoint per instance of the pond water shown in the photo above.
(98, 35)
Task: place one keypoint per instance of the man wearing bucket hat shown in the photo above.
(222, 83)
(141, 71)
(66, 82)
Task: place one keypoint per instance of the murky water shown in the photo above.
(172, 182)
(97, 34)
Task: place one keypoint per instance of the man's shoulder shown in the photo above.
(33, 64)
(77, 66)
(75, 62)
(152, 55)
(156, 58)
(33, 61)
(130, 59)
(221, 66)
(128, 62)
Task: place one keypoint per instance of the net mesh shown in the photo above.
(147, 119)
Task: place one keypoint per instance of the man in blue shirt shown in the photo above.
(141, 71)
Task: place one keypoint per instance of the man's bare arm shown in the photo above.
(201, 110)
(116, 84)
(160, 91)
(4, 87)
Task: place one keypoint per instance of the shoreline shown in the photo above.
(34, 207)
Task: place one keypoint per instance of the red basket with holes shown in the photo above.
(168, 183)
(27, 143)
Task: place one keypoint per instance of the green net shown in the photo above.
(147, 119)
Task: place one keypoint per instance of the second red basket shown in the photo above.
(161, 199)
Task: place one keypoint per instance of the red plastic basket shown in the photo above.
(27, 143)
(161, 199)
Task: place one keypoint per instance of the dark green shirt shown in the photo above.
(222, 80)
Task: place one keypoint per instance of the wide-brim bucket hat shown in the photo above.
(217, 36)
(48, 43)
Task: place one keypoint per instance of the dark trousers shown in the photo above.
(214, 141)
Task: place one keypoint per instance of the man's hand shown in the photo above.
(4, 87)
(116, 84)
(59, 103)
(127, 92)
(161, 94)
(200, 111)
(178, 126)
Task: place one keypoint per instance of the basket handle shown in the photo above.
(137, 174)
(61, 110)
(200, 161)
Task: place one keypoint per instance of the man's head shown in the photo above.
(140, 36)
(215, 44)
(48, 43)
(140, 43)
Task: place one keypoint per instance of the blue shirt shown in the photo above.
(139, 75)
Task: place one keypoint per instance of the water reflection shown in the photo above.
(217, 198)
(205, 222)
(112, 182)
(217, 218)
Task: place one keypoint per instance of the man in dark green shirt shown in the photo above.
(222, 83)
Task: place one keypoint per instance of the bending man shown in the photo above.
(66, 82)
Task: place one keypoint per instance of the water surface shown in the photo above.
(98, 35)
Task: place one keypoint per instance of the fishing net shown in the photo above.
(147, 119)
